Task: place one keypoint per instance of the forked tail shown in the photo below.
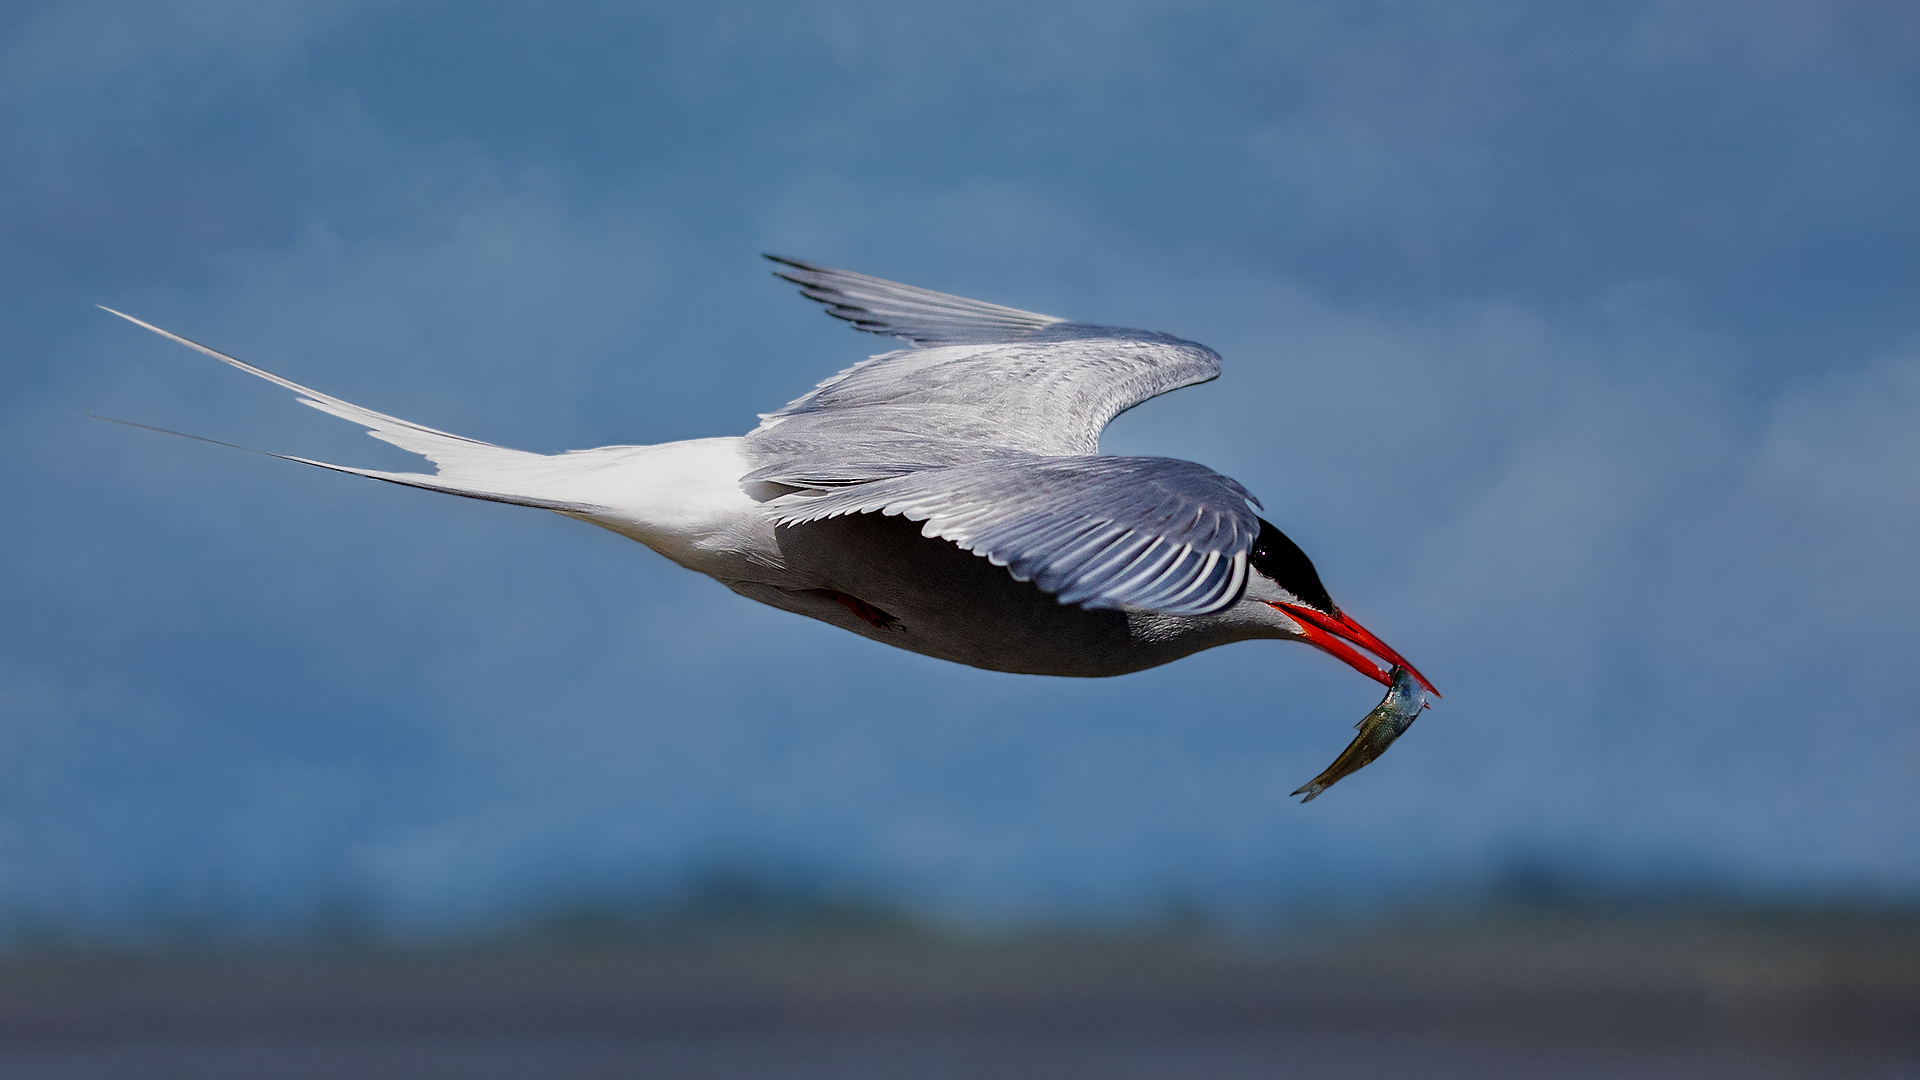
(464, 466)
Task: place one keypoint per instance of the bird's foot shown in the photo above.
(873, 616)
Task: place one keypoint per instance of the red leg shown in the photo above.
(873, 616)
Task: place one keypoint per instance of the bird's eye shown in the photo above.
(1279, 558)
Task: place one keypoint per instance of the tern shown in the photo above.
(948, 497)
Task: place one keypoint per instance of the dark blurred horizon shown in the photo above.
(741, 980)
(738, 899)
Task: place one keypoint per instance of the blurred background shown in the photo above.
(1579, 345)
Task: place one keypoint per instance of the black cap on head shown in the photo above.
(1281, 559)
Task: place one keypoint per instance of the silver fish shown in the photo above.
(1388, 721)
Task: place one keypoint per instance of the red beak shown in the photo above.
(1332, 632)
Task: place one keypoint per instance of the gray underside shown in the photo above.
(958, 606)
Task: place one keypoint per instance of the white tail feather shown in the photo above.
(682, 499)
(466, 467)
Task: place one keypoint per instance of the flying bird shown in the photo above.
(948, 498)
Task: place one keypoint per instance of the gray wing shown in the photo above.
(980, 378)
(988, 430)
(1101, 532)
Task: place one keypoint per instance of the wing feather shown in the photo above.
(921, 316)
(980, 377)
(1100, 532)
(987, 430)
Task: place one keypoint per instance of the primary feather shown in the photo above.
(921, 316)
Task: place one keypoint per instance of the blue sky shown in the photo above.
(1578, 345)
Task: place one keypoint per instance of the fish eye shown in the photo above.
(1278, 557)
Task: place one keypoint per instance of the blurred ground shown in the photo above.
(844, 991)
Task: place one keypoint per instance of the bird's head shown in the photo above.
(1285, 569)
